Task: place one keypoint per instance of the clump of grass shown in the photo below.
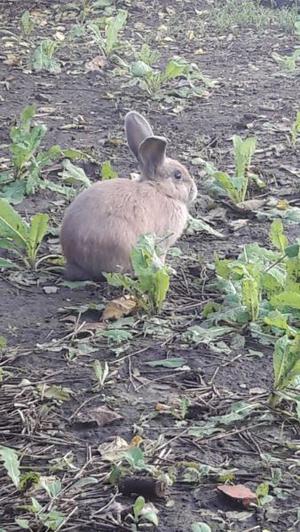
(243, 13)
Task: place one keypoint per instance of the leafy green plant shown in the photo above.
(152, 80)
(20, 237)
(27, 23)
(108, 40)
(286, 366)
(43, 57)
(287, 62)
(236, 186)
(28, 160)
(143, 511)
(147, 56)
(107, 171)
(152, 277)
(261, 285)
(295, 131)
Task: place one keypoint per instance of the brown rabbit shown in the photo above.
(103, 223)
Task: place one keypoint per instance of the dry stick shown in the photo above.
(67, 518)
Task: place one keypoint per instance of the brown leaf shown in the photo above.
(12, 60)
(251, 205)
(117, 308)
(239, 493)
(101, 415)
(97, 63)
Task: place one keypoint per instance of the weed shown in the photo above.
(152, 283)
(148, 56)
(43, 57)
(261, 285)
(27, 23)
(295, 131)
(142, 511)
(288, 62)
(235, 14)
(152, 80)
(27, 159)
(17, 235)
(108, 40)
(101, 373)
(107, 172)
(236, 186)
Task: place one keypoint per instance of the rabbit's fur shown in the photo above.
(103, 223)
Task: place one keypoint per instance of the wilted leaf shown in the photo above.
(118, 308)
(113, 451)
(97, 63)
(239, 493)
(175, 362)
(196, 225)
(58, 393)
(100, 415)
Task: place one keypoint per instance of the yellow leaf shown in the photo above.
(118, 308)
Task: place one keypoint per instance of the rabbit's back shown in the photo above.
(104, 222)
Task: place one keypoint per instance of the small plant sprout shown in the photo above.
(101, 371)
(21, 238)
(107, 171)
(152, 283)
(143, 511)
(153, 80)
(286, 365)
(295, 131)
(236, 186)
(28, 159)
(108, 40)
(43, 57)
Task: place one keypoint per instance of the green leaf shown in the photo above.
(22, 523)
(197, 334)
(138, 507)
(12, 225)
(281, 360)
(6, 263)
(107, 172)
(27, 23)
(11, 464)
(276, 319)
(287, 299)
(277, 236)
(251, 296)
(52, 486)
(135, 457)
(139, 69)
(3, 343)
(43, 57)
(73, 175)
(225, 181)
(167, 363)
(243, 152)
(38, 229)
(174, 69)
(292, 251)
(112, 30)
(200, 527)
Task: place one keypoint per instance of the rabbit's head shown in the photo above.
(170, 175)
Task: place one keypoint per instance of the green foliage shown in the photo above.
(28, 160)
(148, 56)
(143, 511)
(19, 236)
(43, 57)
(27, 23)
(261, 284)
(152, 277)
(288, 62)
(108, 40)
(233, 15)
(295, 131)
(153, 80)
(11, 463)
(236, 186)
(107, 172)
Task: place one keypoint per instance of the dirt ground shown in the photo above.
(41, 315)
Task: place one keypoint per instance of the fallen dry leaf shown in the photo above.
(239, 493)
(101, 415)
(12, 60)
(97, 63)
(282, 205)
(136, 441)
(118, 308)
(114, 450)
(251, 205)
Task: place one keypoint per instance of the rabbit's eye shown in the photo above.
(177, 174)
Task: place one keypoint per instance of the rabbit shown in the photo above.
(103, 223)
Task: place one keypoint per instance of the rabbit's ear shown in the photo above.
(137, 129)
(152, 154)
